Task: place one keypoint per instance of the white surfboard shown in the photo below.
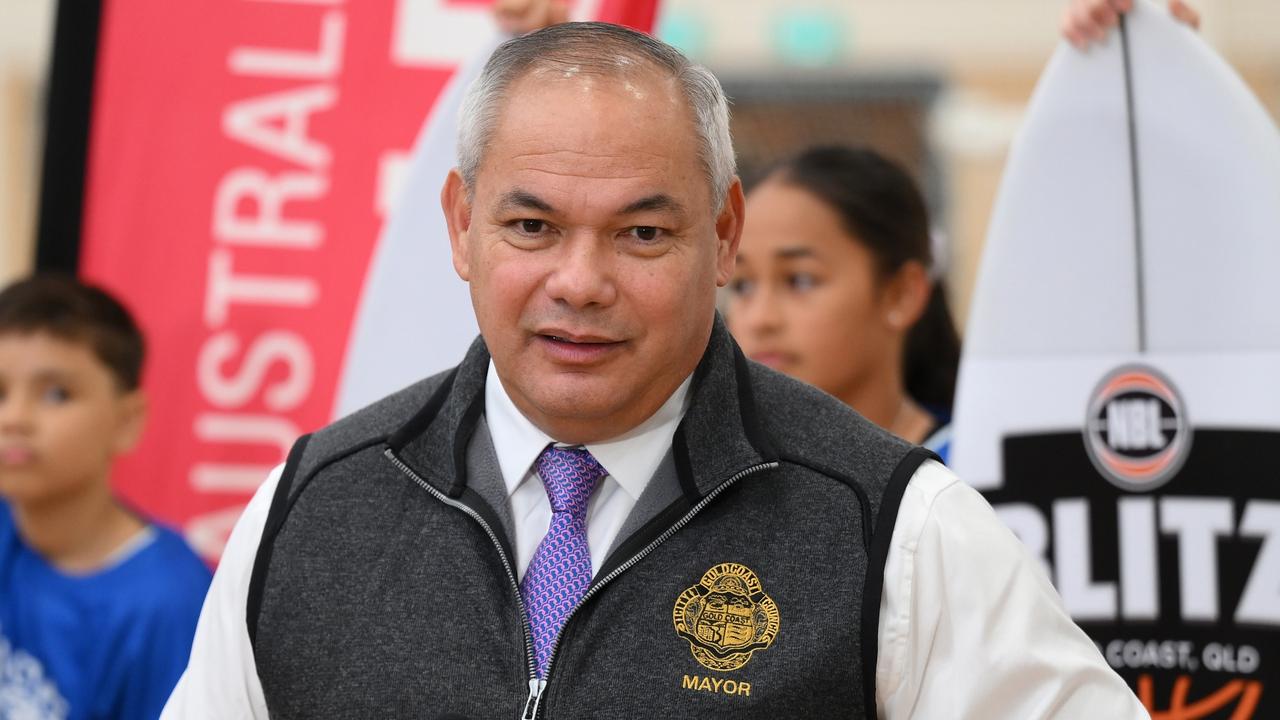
(1059, 301)
(1119, 394)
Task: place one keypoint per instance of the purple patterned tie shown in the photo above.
(560, 571)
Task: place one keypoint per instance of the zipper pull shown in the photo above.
(535, 697)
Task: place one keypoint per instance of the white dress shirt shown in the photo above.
(631, 460)
(970, 627)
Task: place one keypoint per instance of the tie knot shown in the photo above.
(570, 476)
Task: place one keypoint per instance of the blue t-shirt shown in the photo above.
(107, 644)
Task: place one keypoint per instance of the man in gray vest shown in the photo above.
(605, 510)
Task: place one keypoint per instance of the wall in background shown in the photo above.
(25, 35)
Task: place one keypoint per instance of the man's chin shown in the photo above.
(580, 410)
(566, 403)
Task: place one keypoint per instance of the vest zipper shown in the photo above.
(535, 685)
(535, 698)
(535, 693)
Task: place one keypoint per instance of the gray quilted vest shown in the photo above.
(384, 584)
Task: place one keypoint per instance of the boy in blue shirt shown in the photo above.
(97, 605)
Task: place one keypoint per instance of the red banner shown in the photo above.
(242, 154)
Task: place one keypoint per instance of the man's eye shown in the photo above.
(532, 227)
(646, 233)
(56, 395)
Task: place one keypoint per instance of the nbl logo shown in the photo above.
(1136, 430)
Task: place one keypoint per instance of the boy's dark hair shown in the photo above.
(76, 312)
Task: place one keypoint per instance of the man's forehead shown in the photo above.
(571, 184)
(619, 136)
(519, 198)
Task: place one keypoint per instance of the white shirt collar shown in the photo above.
(630, 458)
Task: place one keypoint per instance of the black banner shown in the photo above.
(1179, 586)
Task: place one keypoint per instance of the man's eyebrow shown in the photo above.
(660, 202)
(523, 199)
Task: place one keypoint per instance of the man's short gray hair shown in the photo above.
(609, 50)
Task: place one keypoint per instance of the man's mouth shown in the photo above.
(561, 338)
(577, 349)
(577, 338)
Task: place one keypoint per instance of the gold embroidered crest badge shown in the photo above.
(726, 617)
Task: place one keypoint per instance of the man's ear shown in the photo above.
(131, 419)
(729, 232)
(906, 295)
(457, 215)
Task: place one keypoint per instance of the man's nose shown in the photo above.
(584, 272)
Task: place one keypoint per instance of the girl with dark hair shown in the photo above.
(833, 287)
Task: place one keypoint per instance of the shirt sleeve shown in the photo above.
(221, 679)
(970, 626)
